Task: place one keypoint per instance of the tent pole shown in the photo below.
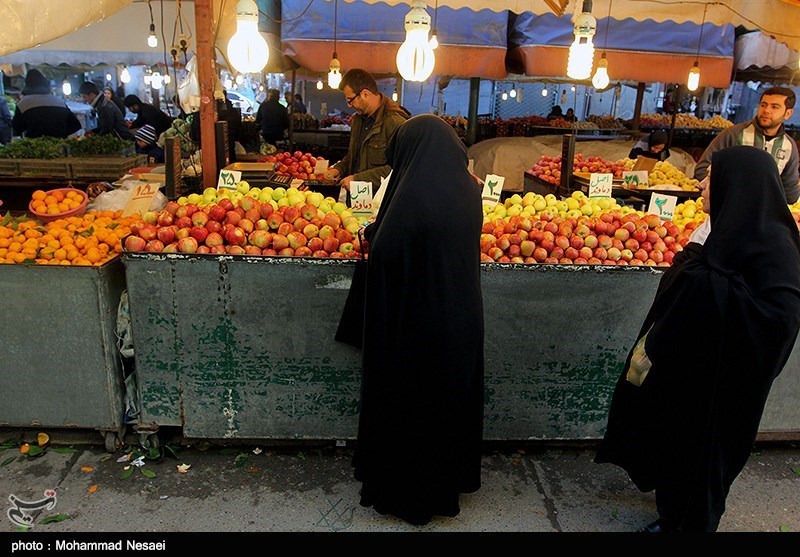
(474, 97)
(205, 72)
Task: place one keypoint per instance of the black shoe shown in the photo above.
(657, 527)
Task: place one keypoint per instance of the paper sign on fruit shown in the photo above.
(635, 178)
(321, 167)
(361, 197)
(228, 179)
(141, 198)
(662, 205)
(600, 185)
(492, 188)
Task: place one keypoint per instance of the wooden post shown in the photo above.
(205, 72)
(290, 108)
(637, 112)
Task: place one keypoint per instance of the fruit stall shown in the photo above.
(59, 362)
(235, 296)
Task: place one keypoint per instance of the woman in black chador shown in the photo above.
(721, 327)
(421, 413)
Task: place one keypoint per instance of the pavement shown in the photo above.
(309, 487)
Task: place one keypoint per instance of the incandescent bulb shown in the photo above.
(156, 81)
(504, 96)
(600, 79)
(434, 40)
(247, 50)
(152, 41)
(694, 78)
(66, 88)
(512, 93)
(544, 92)
(125, 76)
(319, 85)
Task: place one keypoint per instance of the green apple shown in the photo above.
(224, 193)
(243, 187)
(237, 197)
(515, 199)
(255, 193)
(339, 207)
(278, 193)
(293, 191)
(330, 201)
(315, 198)
(500, 211)
(182, 200)
(550, 199)
(540, 204)
(514, 210)
(265, 196)
(209, 198)
(325, 207)
(295, 198)
(283, 202)
(528, 199)
(194, 198)
(209, 192)
(561, 206)
(344, 213)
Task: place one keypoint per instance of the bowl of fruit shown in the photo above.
(59, 203)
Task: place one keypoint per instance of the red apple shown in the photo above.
(214, 239)
(187, 245)
(135, 243)
(199, 233)
(235, 237)
(316, 243)
(148, 232)
(216, 212)
(279, 242)
(165, 218)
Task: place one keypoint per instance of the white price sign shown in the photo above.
(228, 179)
(492, 188)
(662, 205)
(635, 178)
(600, 185)
(141, 199)
(361, 198)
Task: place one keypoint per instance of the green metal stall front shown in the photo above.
(242, 347)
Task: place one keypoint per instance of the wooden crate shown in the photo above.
(50, 168)
(107, 168)
(9, 167)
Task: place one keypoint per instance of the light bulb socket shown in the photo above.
(153, 29)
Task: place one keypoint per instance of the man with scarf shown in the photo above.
(766, 131)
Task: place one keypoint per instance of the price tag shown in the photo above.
(492, 188)
(141, 198)
(600, 184)
(228, 179)
(471, 166)
(296, 183)
(361, 198)
(321, 167)
(635, 178)
(662, 205)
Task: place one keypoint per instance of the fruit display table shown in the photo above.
(59, 363)
(242, 347)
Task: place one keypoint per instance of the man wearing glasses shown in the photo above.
(373, 124)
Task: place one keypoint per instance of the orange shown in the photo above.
(60, 254)
(59, 195)
(15, 246)
(38, 194)
(5, 242)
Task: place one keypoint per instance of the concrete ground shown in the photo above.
(310, 488)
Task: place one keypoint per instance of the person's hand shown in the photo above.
(345, 182)
(332, 174)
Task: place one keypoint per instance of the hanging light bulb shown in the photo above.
(512, 93)
(156, 80)
(108, 77)
(434, 42)
(544, 91)
(227, 83)
(415, 58)
(581, 52)
(167, 79)
(152, 40)
(504, 96)
(320, 85)
(394, 95)
(335, 74)
(261, 87)
(572, 88)
(247, 50)
(239, 79)
(66, 88)
(147, 77)
(600, 79)
(125, 76)
(694, 78)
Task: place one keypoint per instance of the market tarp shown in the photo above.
(636, 50)
(759, 57)
(518, 6)
(471, 44)
(27, 23)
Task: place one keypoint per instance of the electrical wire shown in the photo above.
(287, 20)
(702, 27)
(608, 24)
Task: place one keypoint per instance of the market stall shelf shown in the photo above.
(59, 363)
(242, 347)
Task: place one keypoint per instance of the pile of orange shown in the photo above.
(57, 201)
(91, 239)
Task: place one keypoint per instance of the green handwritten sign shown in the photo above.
(492, 188)
(228, 179)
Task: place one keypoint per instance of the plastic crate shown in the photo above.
(109, 168)
(54, 168)
(9, 167)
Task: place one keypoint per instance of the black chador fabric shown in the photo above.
(724, 321)
(421, 413)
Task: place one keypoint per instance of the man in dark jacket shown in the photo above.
(147, 114)
(109, 118)
(272, 118)
(376, 119)
(40, 113)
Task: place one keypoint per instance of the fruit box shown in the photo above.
(53, 168)
(9, 167)
(110, 168)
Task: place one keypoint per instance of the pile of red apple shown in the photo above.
(297, 165)
(253, 228)
(549, 168)
(610, 239)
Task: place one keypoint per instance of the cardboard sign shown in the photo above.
(492, 188)
(321, 167)
(645, 163)
(141, 199)
(635, 178)
(228, 179)
(663, 205)
(600, 185)
(361, 198)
